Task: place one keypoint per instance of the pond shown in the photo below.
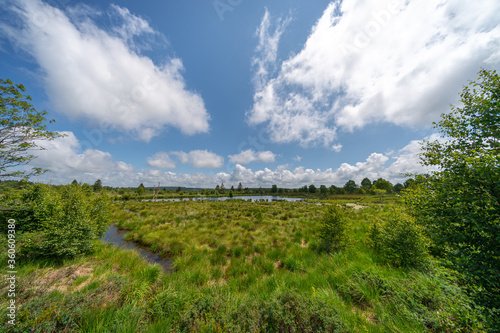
(116, 236)
(253, 198)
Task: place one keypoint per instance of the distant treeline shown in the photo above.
(367, 186)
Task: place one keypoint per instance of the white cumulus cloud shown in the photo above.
(63, 157)
(249, 156)
(100, 75)
(200, 158)
(401, 62)
(161, 160)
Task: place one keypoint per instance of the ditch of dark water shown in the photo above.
(116, 236)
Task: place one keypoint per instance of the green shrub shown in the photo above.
(60, 222)
(400, 241)
(333, 230)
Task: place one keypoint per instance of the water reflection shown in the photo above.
(116, 237)
(252, 198)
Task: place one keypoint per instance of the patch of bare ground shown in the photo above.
(355, 206)
(277, 264)
(367, 314)
(61, 279)
(303, 243)
(215, 283)
(370, 317)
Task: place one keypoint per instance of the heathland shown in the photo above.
(247, 267)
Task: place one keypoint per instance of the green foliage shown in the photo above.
(398, 187)
(400, 241)
(379, 193)
(366, 183)
(350, 186)
(323, 190)
(290, 312)
(383, 184)
(20, 125)
(97, 186)
(460, 205)
(141, 189)
(436, 304)
(57, 222)
(333, 230)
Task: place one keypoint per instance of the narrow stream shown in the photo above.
(116, 237)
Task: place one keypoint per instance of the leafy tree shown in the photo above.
(323, 190)
(333, 230)
(333, 189)
(350, 186)
(57, 222)
(274, 189)
(383, 184)
(74, 183)
(141, 189)
(378, 192)
(222, 188)
(20, 125)
(366, 183)
(97, 186)
(232, 188)
(240, 187)
(398, 187)
(312, 188)
(460, 204)
(304, 189)
(217, 188)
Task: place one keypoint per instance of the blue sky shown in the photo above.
(195, 93)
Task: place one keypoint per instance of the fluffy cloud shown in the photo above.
(67, 162)
(407, 160)
(100, 75)
(401, 62)
(200, 158)
(249, 156)
(161, 160)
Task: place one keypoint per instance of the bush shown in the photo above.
(60, 222)
(400, 241)
(333, 230)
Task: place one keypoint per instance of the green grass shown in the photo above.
(239, 267)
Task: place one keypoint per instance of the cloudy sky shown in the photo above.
(195, 93)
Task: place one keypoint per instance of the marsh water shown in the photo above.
(116, 236)
(253, 198)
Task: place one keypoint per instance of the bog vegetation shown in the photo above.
(426, 260)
